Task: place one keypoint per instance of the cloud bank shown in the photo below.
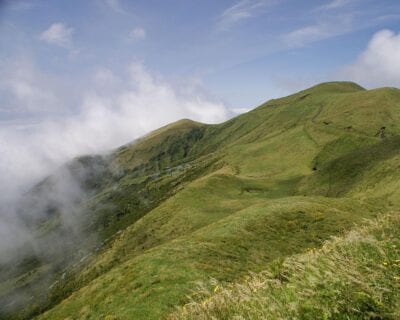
(114, 110)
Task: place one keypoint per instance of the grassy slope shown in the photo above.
(356, 276)
(239, 213)
(227, 249)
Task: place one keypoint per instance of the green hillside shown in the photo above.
(242, 203)
(355, 276)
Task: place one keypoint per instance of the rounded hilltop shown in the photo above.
(335, 87)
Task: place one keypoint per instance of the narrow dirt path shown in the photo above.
(317, 114)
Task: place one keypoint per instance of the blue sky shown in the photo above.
(242, 51)
(98, 73)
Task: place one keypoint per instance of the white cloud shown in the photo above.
(308, 34)
(379, 64)
(115, 5)
(348, 16)
(336, 4)
(240, 110)
(321, 30)
(58, 34)
(243, 9)
(130, 107)
(138, 33)
(25, 89)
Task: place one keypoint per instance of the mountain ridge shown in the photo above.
(192, 201)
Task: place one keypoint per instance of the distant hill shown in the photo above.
(179, 223)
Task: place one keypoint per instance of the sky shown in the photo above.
(82, 77)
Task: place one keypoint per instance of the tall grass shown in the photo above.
(356, 276)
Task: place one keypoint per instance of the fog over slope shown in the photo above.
(113, 111)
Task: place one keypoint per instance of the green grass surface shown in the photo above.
(226, 249)
(356, 276)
